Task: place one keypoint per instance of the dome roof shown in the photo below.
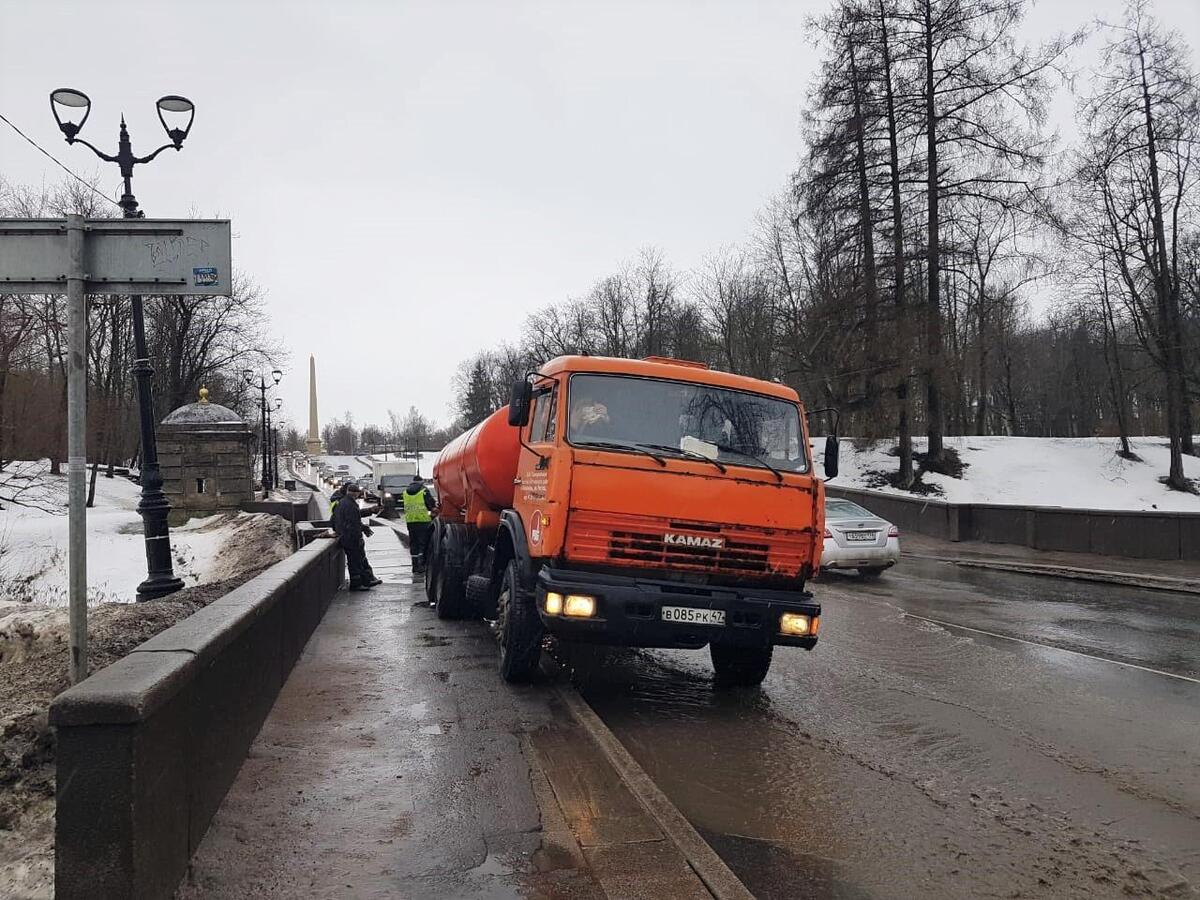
(203, 413)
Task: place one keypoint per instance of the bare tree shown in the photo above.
(1142, 128)
(982, 100)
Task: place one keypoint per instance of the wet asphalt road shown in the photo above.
(908, 757)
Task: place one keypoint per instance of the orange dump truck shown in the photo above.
(644, 503)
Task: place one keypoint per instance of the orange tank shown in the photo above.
(474, 473)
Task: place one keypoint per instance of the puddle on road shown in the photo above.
(849, 786)
(771, 871)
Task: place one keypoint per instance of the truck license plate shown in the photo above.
(692, 616)
(860, 535)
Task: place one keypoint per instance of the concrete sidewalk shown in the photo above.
(1171, 575)
(396, 763)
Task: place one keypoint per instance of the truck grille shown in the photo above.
(653, 551)
(612, 538)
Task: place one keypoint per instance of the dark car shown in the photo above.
(390, 489)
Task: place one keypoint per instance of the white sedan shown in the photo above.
(856, 538)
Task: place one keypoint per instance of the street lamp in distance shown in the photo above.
(259, 383)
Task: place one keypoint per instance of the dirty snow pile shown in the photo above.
(213, 555)
(1081, 473)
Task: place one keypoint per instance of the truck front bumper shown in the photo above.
(628, 612)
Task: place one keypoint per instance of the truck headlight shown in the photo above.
(554, 603)
(579, 605)
(798, 624)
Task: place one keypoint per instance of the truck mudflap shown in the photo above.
(634, 611)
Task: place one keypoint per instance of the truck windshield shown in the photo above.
(735, 428)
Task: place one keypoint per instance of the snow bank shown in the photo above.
(33, 542)
(1027, 471)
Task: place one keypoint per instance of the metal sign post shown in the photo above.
(77, 449)
(77, 256)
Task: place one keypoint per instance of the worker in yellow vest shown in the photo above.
(418, 518)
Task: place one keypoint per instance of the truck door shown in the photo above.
(534, 497)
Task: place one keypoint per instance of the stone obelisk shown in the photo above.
(313, 443)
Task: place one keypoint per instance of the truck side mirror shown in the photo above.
(518, 406)
(831, 457)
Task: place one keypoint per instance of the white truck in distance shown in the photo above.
(390, 478)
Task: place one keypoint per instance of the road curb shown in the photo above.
(1048, 570)
(704, 861)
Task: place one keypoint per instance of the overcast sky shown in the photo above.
(408, 180)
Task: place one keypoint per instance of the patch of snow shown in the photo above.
(33, 543)
(1079, 473)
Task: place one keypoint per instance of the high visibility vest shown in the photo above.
(414, 507)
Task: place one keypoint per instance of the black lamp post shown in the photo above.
(153, 505)
(262, 386)
(275, 443)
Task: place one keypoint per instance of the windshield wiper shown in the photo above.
(725, 448)
(636, 448)
(690, 454)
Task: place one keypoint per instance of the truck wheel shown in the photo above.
(740, 666)
(449, 594)
(479, 587)
(449, 589)
(518, 628)
(431, 567)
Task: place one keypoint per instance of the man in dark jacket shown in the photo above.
(347, 522)
(418, 519)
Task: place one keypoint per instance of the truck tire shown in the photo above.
(450, 595)
(740, 666)
(478, 588)
(518, 628)
(431, 566)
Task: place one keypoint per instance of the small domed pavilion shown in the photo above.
(204, 454)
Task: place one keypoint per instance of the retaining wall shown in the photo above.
(1140, 535)
(148, 746)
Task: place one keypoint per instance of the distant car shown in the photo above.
(856, 538)
(390, 489)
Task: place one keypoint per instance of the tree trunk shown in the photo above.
(91, 497)
(933, 313)
(1112, 356)
(3, 413)
(904, 477)
(866, 226)
(1168, 307)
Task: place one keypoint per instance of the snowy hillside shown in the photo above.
(33, 540)
(1069, 472)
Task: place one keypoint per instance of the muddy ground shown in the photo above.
(33, 670)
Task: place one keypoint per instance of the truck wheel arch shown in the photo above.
(511, 544)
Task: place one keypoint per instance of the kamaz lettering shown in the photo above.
(693, 540)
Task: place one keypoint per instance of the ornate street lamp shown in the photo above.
(65, 104)
(259, 383)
